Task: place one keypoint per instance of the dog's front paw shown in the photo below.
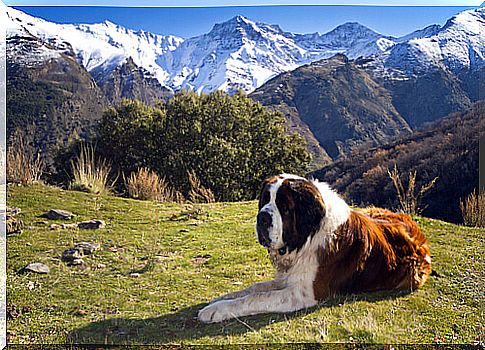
(230, 296)
(216, 312)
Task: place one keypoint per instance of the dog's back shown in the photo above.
(409, 243)
(375, 249)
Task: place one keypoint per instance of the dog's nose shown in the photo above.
(263, 220)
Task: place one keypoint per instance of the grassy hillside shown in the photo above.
(186, 255)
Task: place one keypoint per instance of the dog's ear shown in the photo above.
(309, 208)
(263, 197)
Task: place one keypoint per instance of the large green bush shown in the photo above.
(230, 142)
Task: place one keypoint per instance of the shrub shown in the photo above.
(90, 174)
(231, 142)
(22, 166)
(145, 184)
(409, 199)
(473, 209)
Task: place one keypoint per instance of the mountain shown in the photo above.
(437, 71)
(132, 82)
(447, 149)
(242, 54)
(381, 88)
(236, 54)
(421, 33)
(99, 46)
(51, 98)
(337, 102)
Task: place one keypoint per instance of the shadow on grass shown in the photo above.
(182, 325)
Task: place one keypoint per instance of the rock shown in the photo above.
(37, 268)
(14, 224)
(91, 224)
(87, 247)
(58, 214)
(55, 227)
(76, 262)
(184, 230)
(13, 211)
(73, 256)
(135, 275)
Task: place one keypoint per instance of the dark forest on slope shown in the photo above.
(447, 149)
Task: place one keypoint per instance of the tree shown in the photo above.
(231, 143)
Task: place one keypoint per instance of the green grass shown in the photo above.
(186, 256)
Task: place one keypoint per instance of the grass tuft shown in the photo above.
(199, 193)
(473, 209)
(90, 174)
(409, 198)
(145, 184)
(23, 166)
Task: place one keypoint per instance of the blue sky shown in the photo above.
(190, 21)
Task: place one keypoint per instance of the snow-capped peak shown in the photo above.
(99, 46)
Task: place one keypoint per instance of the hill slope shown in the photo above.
(50, 96)
(185, 256)
(448, 149)
(337, 101)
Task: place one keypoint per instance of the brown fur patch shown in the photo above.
(302, 209)
(374, 250)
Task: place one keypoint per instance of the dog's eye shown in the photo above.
(285, 210)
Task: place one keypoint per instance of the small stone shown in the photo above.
(81, 313)
(37, 268)
(14, 225)
(28, 244)
(13, 211)
(88, 247)
(91, 224)
(76, 262)
(71, 226)
(184, 230)
(58, 214)
(55, 227)
(71, 254)
(135, 275)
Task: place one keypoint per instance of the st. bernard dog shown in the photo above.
(321, 247)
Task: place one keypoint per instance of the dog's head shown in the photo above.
(291, 209)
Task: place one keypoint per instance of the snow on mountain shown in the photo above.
(243, 54)
(237, 54)
(421, 33)
(352, 39)
(98, 46)
(459, 46)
